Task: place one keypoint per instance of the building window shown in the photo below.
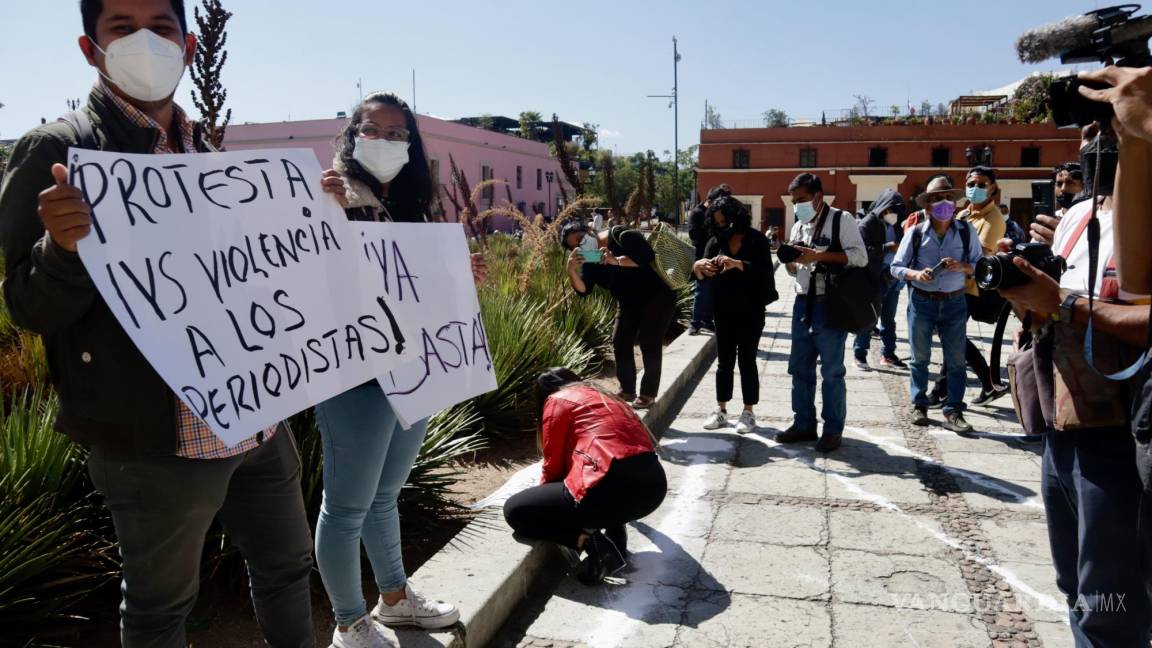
(774, 217)
(1030, 156)
(807, 158)
(878, 157)
(486, 174)
(941, 156)
(539, 179)
(741, 158)
(434, 170)
(519, 177)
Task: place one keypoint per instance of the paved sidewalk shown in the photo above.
(906, 536)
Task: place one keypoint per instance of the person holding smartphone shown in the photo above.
(622, 265)
(936, 258)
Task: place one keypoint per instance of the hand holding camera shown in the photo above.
(1129, 90)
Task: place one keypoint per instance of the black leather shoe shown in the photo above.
(796, 435)
(828, 443)
(619, 537)
(601, 559)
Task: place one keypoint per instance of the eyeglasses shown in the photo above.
(933, 199)
(394, 134)
(982, 185)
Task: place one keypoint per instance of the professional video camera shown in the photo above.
(1110, 35)
(997, 272)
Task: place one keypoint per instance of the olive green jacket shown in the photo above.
(109, 395)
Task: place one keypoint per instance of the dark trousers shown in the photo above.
(633, 488)
(738, 338)
(1092, 498)
(162, 508)
(702, 305)
(646, 322)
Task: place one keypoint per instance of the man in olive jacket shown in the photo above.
(163, 474)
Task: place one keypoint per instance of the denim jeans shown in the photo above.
(702, 306)
(887, 326)
(950, 318)
(1092, 498)
(810, 343)
(367, 459)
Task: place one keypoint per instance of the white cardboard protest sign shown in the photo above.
(426, 275)
(237, 278)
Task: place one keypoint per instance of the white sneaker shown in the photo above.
(365, 633)
(415, 610)
(746, 423)
(716, 420)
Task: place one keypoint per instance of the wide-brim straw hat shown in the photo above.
(937, 187)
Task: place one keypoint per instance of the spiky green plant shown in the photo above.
(45, 461)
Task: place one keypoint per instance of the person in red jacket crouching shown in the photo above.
(600, 473)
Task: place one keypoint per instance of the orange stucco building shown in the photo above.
(856, 163)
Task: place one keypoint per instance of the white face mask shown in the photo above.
(890, 218)
(383, 158)
(145, 66)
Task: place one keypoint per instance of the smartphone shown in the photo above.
(592, 256)
(1043, 198)
(935, 270)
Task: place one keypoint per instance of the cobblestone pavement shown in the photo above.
(905, 536)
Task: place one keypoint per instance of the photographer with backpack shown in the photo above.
(936, 258)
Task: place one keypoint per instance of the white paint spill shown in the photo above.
(697, 445)
(1008, 575)
(611, 626)
(970, 475)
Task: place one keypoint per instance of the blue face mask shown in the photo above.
(805, 211)
(977, 194)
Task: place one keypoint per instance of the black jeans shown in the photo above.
(633, 488)
(738, 338)
(1092, 497)
(976, 363)
(646, 322)
(162, 508)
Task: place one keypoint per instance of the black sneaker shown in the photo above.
(828, 443)
(919, 415)
(695, 330)
(894, 362)
(936, 400)
(955, 421)
(601, 559)
(988, 396)
(796, 435)
(862, 364)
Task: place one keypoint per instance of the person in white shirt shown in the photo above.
(812, 340)
(1089, 478)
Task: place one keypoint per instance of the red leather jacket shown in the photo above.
(583, 431)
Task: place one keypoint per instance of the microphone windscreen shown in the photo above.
(1048, 41)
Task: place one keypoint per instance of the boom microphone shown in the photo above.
(1048, 41)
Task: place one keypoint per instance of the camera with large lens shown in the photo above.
(1110, 35)
(997, 272)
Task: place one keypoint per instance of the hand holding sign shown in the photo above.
(65, 215)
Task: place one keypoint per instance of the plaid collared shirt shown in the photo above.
(196, 440)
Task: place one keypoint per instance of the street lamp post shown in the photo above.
(551, 211)
(675, 106)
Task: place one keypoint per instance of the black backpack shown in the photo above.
(851, 295)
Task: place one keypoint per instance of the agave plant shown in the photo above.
(32, 452)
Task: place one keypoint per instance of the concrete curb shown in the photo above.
(486, 572)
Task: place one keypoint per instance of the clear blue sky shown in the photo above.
(588, 61)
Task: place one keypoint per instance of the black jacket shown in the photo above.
(627, 285)
(874, 230)
(109, 395)
(748, 290)
(698, 229)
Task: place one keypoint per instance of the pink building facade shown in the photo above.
(524, 165)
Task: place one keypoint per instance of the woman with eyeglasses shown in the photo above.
(380, 162)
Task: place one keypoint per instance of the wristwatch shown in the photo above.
(1068, 308)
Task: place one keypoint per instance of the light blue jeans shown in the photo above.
(949, 318)
(367, 459)
(809, 344)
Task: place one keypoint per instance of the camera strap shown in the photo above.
(1093, 263)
